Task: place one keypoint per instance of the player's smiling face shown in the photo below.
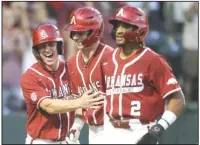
(78, 37)
(48, 53)
(121, 29)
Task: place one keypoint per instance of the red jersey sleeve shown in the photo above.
(34, 90)
(162, 78)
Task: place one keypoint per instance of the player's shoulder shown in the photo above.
(72, 60)
(63, 65)
(154, 57)
(29, 75)
(151, 53)
(108, 50)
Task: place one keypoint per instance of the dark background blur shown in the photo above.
(173, 33)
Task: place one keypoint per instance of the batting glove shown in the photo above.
(165, 121)
(152, 136)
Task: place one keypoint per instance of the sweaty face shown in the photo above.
(78, 37)
(48, 53)
(120, 30)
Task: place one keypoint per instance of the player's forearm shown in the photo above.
(175, 106)
(62, 106)
(176, 103)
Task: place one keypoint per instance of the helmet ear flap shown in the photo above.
(59, 48)
(36, 53)
(71, 34)
(113, 32)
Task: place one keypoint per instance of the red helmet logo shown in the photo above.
(46, 33)
(133, 16)
(85, 19)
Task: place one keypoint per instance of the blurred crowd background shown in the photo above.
(173, 33)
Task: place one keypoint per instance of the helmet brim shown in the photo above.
(115, 20)
(76, 28)
(48, 40)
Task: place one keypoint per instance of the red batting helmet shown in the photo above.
(85, 19)
(133, 16)
(46, 33)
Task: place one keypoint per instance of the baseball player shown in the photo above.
(45, 86)
(86, 28)
(143, 97)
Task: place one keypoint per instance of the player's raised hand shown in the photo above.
(91, 100)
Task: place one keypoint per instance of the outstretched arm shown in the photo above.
(87, 100)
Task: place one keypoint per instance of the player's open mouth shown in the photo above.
(119, 37)
(49, 55)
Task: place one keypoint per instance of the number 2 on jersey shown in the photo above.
(135, 108)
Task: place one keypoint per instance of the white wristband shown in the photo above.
(78, 124)
(167, 119)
